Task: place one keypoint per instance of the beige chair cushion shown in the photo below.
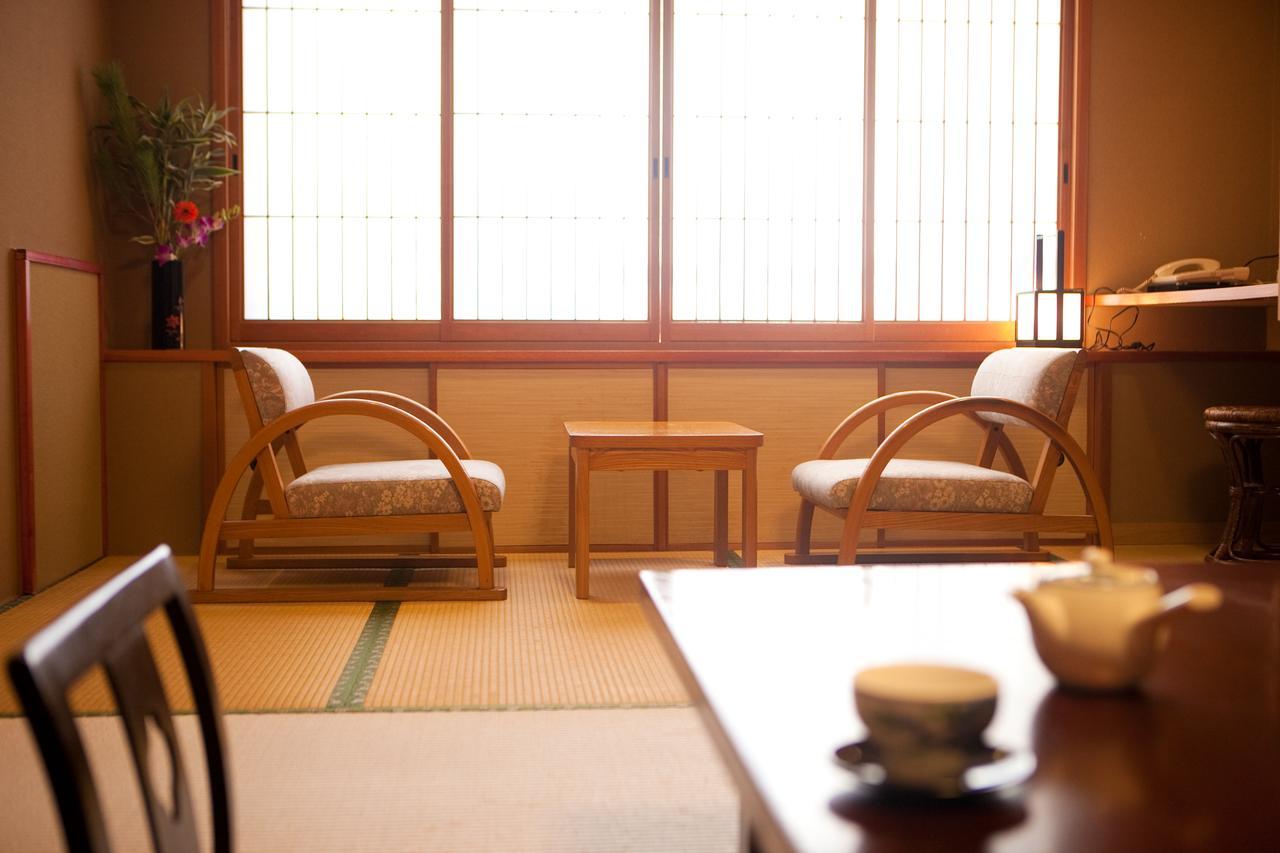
(1034, 376)
(401, 487)
(914, 485)
(280, 381)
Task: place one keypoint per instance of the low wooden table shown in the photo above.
(1190, 763)
(717, 446)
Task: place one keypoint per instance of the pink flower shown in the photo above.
(164, 254)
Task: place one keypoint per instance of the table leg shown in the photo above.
(722, 519)
(749, 510)
(582, 521)
(573, 509)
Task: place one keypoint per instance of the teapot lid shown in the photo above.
(1104, 574)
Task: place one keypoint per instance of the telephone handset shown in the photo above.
(1189, 273)
(1185, 267)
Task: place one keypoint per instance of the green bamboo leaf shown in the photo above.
(148, 157)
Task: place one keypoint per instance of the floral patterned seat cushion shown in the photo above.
(914, 485)
(279, 381)
(401, 487)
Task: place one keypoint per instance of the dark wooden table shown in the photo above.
(1192, 762)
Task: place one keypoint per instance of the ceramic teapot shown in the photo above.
(1102, 631)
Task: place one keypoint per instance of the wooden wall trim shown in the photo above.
(445, 329)
(225, 76)
(1081, 22)
(594, 357)
(1098, 439)
(661, 480)
(26, 451)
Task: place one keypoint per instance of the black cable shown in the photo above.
(1109, 338)
(1252, 261)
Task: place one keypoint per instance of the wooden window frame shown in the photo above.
(229, 325)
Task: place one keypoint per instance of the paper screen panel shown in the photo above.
(551, 160)
(341, 150)
(767, 165)
(966, 154)
(515, 418)
(154, 457)
(796, 409)
(66, 420)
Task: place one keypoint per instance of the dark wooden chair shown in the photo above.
(107, 628)
(1241, 432)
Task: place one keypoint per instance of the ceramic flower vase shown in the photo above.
(167, 330)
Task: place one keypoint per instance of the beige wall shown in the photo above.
(44, 181)
(1184, 160)
(1183, 113)
(1169, 481)
(163, 46)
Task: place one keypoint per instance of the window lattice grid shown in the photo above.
(551, 161)
(966, 153)
(340, 145)
(768, 160)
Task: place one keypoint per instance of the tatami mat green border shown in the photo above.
(353, 685)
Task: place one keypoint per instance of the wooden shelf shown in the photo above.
(1223, 297)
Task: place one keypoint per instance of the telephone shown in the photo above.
(1191, 274)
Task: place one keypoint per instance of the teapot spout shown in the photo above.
(1048, 619)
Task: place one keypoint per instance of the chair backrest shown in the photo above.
(106, 628)
(278, 382)
(1043, 378)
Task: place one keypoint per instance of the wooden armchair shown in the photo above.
(426, 496)
(1023, 388)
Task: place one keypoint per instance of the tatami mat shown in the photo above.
(542, 648)
(265, 657)
(534, 781)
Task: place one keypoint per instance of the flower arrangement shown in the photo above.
(154, 162)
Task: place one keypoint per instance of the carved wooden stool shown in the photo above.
(1241, 431)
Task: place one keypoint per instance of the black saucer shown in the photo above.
(987, 770)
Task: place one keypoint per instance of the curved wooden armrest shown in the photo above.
(909, 398)
(913, 425)
(428, 416)
(260, 440)
(881, 404)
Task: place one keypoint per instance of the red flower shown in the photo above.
(185, 211)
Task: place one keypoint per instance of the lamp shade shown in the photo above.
(1049, 318)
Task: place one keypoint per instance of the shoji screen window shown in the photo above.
(767, 171)
(551, 160)
(966, 153)
(341, 159)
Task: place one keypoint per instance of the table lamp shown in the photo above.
(1049, 317)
